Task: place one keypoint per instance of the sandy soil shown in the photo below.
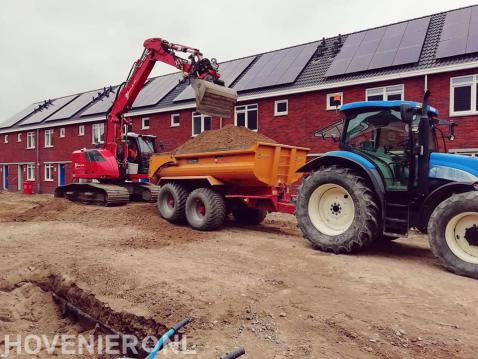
(264, 287)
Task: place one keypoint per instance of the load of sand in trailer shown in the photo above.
(229, 137)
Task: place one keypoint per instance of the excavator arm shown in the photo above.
(212, 97)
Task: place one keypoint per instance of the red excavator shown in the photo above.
(118, 171)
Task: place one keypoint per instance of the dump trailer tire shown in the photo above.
(453, 233)
(172, 202)
(205, 209)
(337, 211)
(244, 214)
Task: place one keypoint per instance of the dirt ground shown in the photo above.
(262, 287)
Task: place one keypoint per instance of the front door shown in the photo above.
(5, 177)
(61, 174)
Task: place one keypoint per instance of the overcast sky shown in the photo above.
(52, 48)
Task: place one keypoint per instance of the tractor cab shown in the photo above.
(377, 131)
(140, 150)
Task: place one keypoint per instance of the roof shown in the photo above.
(385, 104)
(310, 78)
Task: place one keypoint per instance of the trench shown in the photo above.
(85, 311)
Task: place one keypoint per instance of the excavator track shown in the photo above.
(142, 192)
(94, 193)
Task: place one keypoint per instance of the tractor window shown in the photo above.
(382, 138)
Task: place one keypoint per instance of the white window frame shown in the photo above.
(81, 130)
(385, 91)
(197, 114)
(245, 110)
(472, 152)
(30, 172)
(473, 83)
(62, 132)
(282, 113)
(19, 137)
(143, 126)
(31, 138)
(48, 172)
(5, 139)
(48, 138)
(332, 95)
(173, 116)
(97, 129)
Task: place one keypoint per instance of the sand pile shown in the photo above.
(229, 137)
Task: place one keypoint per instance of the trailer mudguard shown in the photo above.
(352, 160)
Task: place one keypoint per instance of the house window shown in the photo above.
(5, 139)
(81, 130)
(334, 101)
(145, 123)
(19, 137)
(388, 93)
(281, 107)
(470, 152)
(48, 138)
(200, 123)
(30, 172)
(49, 171)
(175, 120)
(464, 95)
(246, 116)
(30, 140)
(62, 132)
(98, 133)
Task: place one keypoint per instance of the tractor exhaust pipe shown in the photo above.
(213, 99)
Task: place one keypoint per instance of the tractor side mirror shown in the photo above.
(407, 113)
(451, 131)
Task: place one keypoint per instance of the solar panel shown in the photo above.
(42, 114)
(74, 106)
(393, 45)
(460, 33)
(229, 71)
(103, 105)
(19, 116)
(157, 89)
(277, 67)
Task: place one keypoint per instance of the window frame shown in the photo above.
(19, 137)
(197, 114)
(386, 93)
(81, 130)
(473, 104)
(62, 132)
(48, 169)
(283, 113)
(49, 135)
(246, 119)
(31, 140)
(5, 139)
(331, 95)
(174, 124)
(101, 125)
(30, 168)
(143, 119)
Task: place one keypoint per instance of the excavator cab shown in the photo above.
(140, 150)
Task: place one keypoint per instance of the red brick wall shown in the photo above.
(307, 113)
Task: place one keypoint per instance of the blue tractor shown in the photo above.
(386, 178)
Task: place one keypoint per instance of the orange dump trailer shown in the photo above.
(202, 188)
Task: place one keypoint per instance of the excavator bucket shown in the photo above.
(212, 99)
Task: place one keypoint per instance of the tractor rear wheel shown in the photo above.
(172, 202)
(337, 211)
(453, 233)
(205, 209)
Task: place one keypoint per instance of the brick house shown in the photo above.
(36, 143)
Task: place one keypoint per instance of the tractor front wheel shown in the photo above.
(453, 233)
(337, 211)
